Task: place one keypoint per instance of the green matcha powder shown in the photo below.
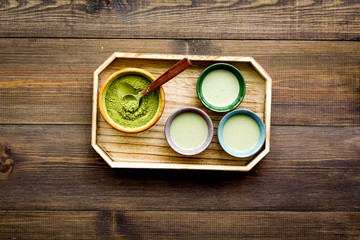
(130, 117)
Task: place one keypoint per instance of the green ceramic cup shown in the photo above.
(221, 87)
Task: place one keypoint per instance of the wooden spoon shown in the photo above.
(132, 101)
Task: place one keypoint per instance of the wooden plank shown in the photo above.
(178, 225)
(54, 168)
(335, 20)
(314, 83)
(51, 225)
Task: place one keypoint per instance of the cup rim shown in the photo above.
(249, 152)
(238, 75)
(207, 141)
(102, 94)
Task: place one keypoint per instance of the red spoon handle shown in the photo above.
(176, 69)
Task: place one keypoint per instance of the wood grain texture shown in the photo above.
(307, 170)
(178, 225)
(271, 19)
(314, 83)
(53, 185)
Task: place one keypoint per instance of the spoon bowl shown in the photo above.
(131, 101)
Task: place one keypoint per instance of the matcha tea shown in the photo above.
(241, 132)
(188, 131)
(220, 88)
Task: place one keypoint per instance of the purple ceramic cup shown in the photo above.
(199, 149)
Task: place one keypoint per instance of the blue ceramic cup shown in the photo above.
(238, 134)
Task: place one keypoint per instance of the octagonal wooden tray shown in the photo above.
(149, 149)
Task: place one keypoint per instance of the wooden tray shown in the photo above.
(149, 149)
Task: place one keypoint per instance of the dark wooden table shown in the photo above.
(53, 185)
